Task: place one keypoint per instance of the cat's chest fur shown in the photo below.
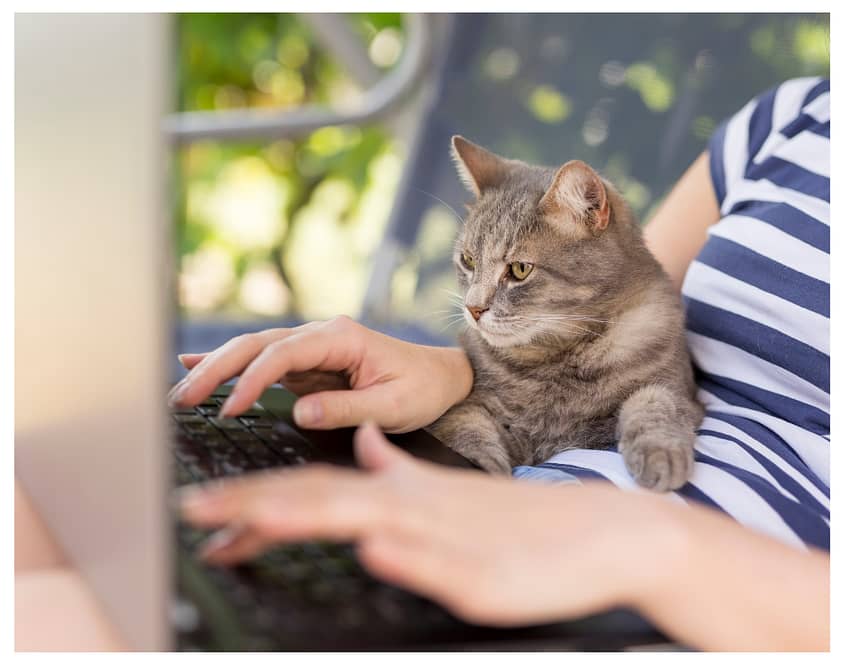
(550, 401)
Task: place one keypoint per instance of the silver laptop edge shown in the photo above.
(93, 268)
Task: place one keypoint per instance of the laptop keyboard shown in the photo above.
(315, 595)
(310, 595)
(209, 447)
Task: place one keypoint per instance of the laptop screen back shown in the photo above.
(92, 273)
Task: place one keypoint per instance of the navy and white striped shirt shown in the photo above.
(757, 305)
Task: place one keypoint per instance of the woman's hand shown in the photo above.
(491, 550)
(350, 373)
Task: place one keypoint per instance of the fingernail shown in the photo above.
(219, 540)
(369, 425)
(181, 358)
(192, 500)
(176, 396)
(178, 392)
(227, 406)
(368, 429)
(176, 388)
(307, 412)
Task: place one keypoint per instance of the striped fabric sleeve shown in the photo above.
(746, 144)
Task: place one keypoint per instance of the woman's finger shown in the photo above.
(374, 452)
(190, 360)
(221, 365)
(347, 408)
(318, 502)
(233, 544)
(335, 346)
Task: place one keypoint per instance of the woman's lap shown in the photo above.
(743, 470)
(56, 611)
(54, 607)
(34, 546)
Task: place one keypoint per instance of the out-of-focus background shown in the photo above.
(312, 176)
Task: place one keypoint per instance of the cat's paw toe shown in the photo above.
(660, 467)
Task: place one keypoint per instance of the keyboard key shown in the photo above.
(196, 458)
(210, 411)
(226, 423)
(256, 411)
(297, 571)
(181, 473)
(183, 411)
(261, 425)
(322, 591)
(188, 418)
(260, 453)
(257, 422)
(240, 435)
(212, 455)
(286, 440)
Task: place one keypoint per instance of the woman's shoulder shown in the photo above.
(789, 108)
(782, 135)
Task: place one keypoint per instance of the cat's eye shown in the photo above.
(467, 260)
(521, 270)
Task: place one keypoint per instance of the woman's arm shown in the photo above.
(502, 552)
(758, 591)
(677, 231)
(734, 589)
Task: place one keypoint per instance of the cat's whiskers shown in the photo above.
(452, 294)
(565, 318)
(452, 321)
(446, 205)
(514, 328)
(570, 326)
(568, 317)
(456, 302)
(548, 324)
(450, 315)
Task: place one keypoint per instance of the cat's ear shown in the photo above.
(578, 191)
(479, 169)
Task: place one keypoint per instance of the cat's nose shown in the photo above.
(476, 311)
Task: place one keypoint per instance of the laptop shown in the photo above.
(95, 446)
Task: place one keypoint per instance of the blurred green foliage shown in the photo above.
(288, 227)
(243, 244)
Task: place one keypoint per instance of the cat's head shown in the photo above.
(543, 252)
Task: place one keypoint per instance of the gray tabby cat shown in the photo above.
(575, 333)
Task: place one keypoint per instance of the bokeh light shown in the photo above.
(385, 48)
(549, 104)
(502, 64)
(287, 227)
(654, 88)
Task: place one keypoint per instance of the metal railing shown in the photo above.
(380, 99)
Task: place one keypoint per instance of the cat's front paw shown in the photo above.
(658, 463)
(491, 459)
(491, 465)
